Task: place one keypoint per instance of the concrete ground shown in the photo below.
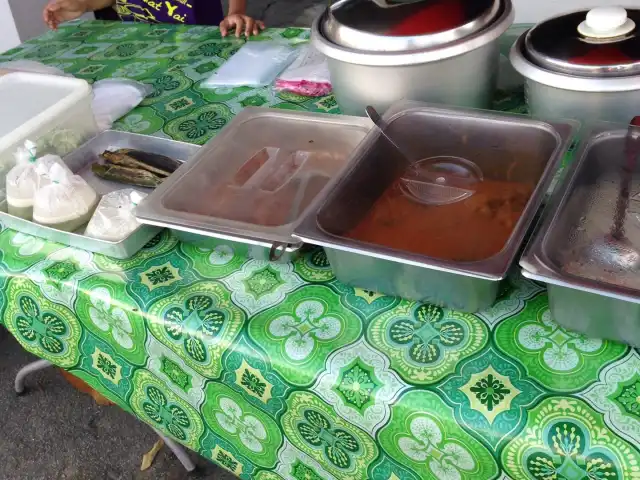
(53, 432)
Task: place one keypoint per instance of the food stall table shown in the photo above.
(278, 371)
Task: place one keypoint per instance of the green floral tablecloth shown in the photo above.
(278, 371)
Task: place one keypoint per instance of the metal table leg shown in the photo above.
(28, 369)
(179, 451)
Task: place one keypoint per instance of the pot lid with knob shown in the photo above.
(600, 43)
(407, 25)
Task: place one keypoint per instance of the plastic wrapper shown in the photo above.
(113, 219)
(256, 64)
(307, 75)
(59, 141)
(114, 98)
(66, 203)
(26, 177)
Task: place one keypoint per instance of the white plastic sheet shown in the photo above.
(256, 64)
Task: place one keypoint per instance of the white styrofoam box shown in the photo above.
(43, 109)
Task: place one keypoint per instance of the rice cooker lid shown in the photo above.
(602, 42)
(367, 25)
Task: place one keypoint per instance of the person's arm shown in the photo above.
(60, 11)
(237, 18)
(237, 7)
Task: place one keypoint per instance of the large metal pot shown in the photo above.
(438, 51)
(583, 65)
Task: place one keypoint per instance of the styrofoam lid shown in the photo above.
(29, 100)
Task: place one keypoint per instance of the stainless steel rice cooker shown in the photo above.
(441, 51)
(583, 65)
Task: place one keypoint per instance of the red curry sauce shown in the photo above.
(473, 229)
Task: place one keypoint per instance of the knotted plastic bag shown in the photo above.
(66, 203)
(113, 219)
(26, 177)
(113, 98)
(256, 64)
(308, 74)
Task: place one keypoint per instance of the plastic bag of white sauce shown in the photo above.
(113, 219)
(66, 203)
(256, 64)
(26, 177)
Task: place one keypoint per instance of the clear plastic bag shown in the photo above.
(26, 177)
(113, 219)
(66, 203)
(114, 98)
(307, 75)
(256, 64)
(60, 141)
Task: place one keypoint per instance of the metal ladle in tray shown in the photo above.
(436, 180)
(615, 248)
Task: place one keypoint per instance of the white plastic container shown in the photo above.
(55, 112)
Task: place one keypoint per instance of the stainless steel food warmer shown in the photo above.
(253, 182)
(592, 280)
(502, 146)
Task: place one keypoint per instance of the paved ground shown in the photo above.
(53, 432)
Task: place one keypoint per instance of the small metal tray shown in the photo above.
(175, 203)
(80, 163)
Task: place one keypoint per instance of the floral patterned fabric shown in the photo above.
(278, 371)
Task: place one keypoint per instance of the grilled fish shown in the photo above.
(157, 164)
(130, 176)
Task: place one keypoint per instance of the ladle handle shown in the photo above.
(632, 151)
(375, 117)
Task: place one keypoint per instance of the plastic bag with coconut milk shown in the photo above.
(66, 203)
(28, 175)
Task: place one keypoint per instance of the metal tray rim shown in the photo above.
(151, 210)
(291, 247)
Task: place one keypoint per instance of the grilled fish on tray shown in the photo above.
(135, 167)
(152, 162)
(130, 176)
